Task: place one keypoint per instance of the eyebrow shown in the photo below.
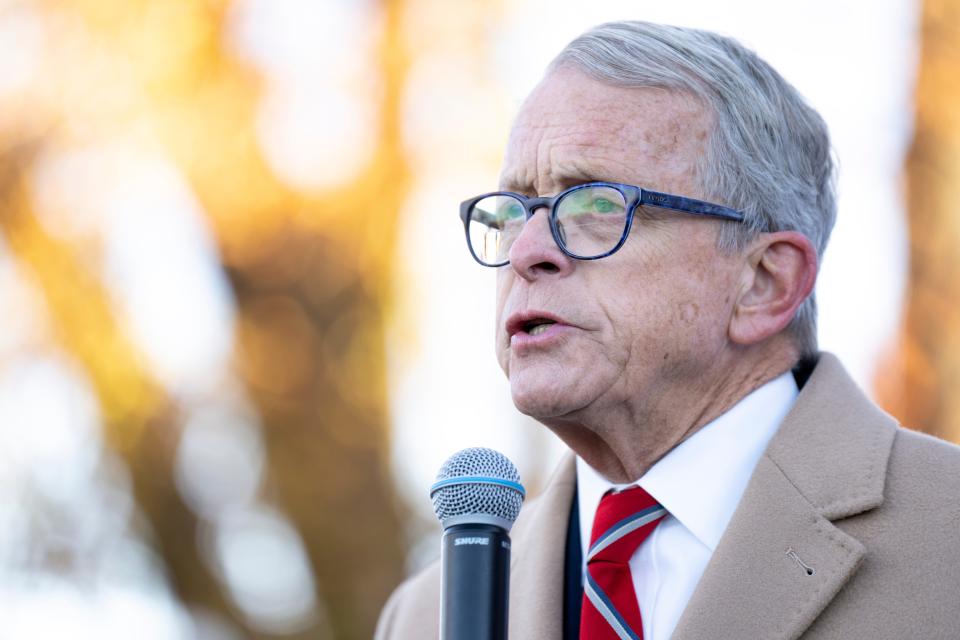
(570, 177)
(515, 184)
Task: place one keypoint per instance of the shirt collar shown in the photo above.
(701, 480)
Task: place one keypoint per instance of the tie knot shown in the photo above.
(624, 519)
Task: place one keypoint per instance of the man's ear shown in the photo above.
(778, 276)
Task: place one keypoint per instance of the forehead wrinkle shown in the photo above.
(571, 173)
(576, 164)
(519, 173)
(575, 156)
(619, 149)
(517, 176)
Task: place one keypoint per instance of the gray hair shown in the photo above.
(769, 152)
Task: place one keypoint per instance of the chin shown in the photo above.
(544, 400)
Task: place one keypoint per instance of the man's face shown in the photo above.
(645, 324)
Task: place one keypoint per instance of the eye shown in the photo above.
(511, 211)
(599, 204)
(593, 204)
(602, 205)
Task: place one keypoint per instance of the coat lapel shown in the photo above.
(758, 583)
(536, 570)
(782, 559)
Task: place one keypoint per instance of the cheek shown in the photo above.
(669, 302)
(700, 309)
(636, 295)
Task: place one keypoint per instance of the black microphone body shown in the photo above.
(477, 498)
(475, 583)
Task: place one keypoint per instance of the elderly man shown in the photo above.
(664, 200)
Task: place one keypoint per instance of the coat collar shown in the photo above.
(781, 559)
(835, 443)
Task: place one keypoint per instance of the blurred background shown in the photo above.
(239, 326)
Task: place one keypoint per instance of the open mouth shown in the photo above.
(531, 323)
(537, 326)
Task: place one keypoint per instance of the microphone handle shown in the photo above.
(475, 582)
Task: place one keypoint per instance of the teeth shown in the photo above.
(540, 328)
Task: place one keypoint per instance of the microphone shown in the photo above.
(477, 497)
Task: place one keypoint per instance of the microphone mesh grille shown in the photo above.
(469, 499)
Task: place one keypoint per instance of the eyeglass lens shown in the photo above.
(590, 222)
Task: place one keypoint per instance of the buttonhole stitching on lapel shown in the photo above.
(800, 563)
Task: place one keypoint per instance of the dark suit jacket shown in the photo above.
(849, 528)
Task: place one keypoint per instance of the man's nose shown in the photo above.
(535, 253)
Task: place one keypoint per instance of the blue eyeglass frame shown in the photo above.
(633, 195)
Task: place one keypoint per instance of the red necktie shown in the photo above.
(610, 610)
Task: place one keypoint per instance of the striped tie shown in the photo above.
(610, 610)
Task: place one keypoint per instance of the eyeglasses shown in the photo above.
(588, 222)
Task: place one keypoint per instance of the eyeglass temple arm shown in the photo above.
(486, 218)
(688, 205)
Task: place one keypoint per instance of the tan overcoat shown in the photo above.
(871, 508)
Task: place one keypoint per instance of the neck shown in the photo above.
(623, 441)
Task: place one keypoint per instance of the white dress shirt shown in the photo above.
(699, 482)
